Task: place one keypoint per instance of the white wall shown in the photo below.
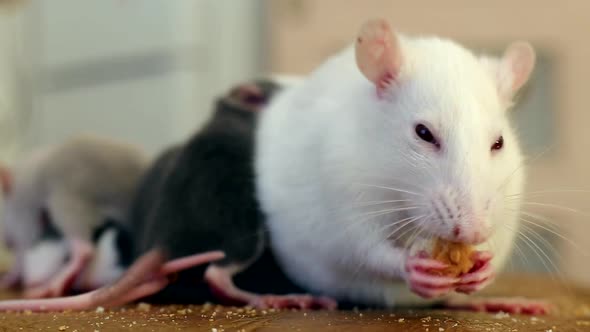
(144, 71)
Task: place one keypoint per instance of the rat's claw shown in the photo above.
(424, 264)
(429, 280)
(422, 277)
(480, 275)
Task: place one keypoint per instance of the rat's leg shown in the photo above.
(512, 305)
(419, 272)
(80, 254)
(220, 280)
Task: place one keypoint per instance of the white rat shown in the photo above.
(75, 186)
(391, 143)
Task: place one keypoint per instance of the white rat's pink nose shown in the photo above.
(457, 221)
(472, 233)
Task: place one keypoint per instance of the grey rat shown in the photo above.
(392, 143)
(78, 184)
(200, 197)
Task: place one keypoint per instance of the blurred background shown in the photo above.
(147, 71)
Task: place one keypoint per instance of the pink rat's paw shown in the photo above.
(511, 305)
(481, 275)
(293, 302)
(423, 279)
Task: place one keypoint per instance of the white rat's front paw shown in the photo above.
(479, 276)
(423, 279)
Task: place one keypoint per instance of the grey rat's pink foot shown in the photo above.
(422, 279)
(480, 275)
(512, 305)
(220, 281)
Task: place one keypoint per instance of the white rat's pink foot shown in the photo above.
(480, 275)
(422, 278)
(512, 305)
(293, 302)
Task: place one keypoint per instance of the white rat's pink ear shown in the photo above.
(378, 53)
(515, 68)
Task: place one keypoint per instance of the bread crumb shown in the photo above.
(99, 310)
(440, 329)
(142, 306)
(401, 320)
(63, 328)
(501, 315)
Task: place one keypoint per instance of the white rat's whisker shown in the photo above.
(543, 257)
(558, 207)
(523, 257)
(388, 211)
(400, 227)
(540, 220)
(418, 229)
(417, 233)
(372, 203)
(392, 189)
(524, 162)
(543, 241)
(561, 236)
(384, 228)
(556, 191)
(549, 246)
(405, 232)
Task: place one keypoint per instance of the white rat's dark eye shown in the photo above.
(498, 144)
(426, 135)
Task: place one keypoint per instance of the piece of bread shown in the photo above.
(456, 255)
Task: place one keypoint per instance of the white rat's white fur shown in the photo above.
(330, 152)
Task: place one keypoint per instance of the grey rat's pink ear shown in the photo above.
(514, 69)
(378, 53)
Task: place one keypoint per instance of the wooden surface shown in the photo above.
(573, 314)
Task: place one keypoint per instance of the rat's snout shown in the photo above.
(457, 218)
